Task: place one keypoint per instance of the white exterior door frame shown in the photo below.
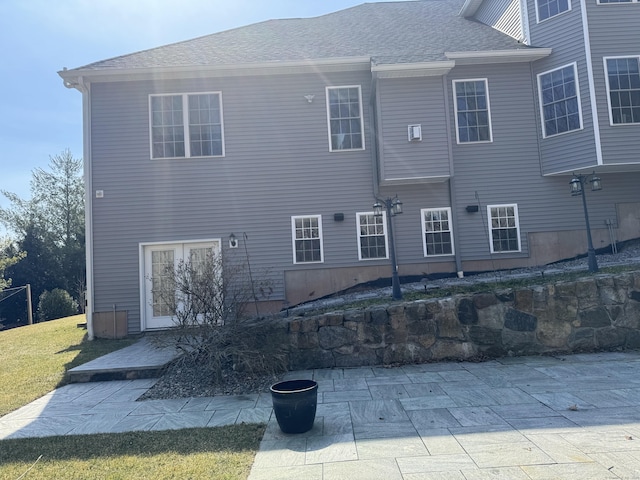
(174, 252)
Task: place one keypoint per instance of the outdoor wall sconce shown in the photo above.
(310, 98)
(233, 241)
(577, 188)
(393, 207)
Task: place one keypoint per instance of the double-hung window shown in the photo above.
(559, 101)
(344, 116)
(550, 8)
(307, 239)
(623, 84)
(504, 227)
(186, 125)
(473, 119)
(437, 231)
(372, 236)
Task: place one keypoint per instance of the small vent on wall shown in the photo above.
(99, 193)
(415, 133)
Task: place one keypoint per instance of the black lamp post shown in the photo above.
(393, 207)
(577, 188)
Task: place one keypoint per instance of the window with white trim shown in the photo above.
(372, 236)
(550, 8)
(623, 85)
(473, 119)
(437, 231)
(504, 227)
(559, 101)
(186, 125)
(344, 117)
(307, 239)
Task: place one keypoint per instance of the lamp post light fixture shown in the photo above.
(577, 188)
(393, 207)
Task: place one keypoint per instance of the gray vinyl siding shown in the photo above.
(614, 30)
(503, 15)
(495, 171)
(564, 34)
(277, 164)
(408, 101)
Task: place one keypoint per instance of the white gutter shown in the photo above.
(499, 56)
(263, 68)
(420, 69)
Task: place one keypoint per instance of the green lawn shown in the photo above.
(34, 358)
(197, 453)
(33, 362)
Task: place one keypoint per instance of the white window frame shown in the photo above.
(455, 107)
(293, 238)
(185, 124)
(606, 78)
(385, 235)
(423, 222)
(340, 87)
(517, 221)
(578, 99)
(538, 20)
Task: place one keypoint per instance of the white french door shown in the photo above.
(158, 261)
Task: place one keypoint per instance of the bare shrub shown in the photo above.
(212, 304)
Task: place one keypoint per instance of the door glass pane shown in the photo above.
(162, 263)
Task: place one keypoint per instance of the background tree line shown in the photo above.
(46, 242)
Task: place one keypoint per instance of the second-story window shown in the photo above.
(186, 125)
(550, 8)
(623, 83)
(344, 112)
(471, 100)
(559, 101)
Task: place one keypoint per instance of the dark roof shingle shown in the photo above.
(387, 32)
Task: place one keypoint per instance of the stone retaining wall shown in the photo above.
(599, 312)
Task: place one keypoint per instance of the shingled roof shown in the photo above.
(388, 32)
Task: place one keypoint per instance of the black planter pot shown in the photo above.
(294, 403)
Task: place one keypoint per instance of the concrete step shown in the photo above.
(143, 359)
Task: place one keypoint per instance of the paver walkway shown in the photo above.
(570, 417)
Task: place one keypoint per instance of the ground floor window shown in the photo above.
(372, 236)
(307, 239)
(437, 231)
(504, 228)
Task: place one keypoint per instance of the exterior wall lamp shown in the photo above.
(577, 184)
(393, 207)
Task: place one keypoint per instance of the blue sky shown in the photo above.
(39, 117)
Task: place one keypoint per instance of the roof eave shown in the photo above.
(115, 74)
(421, 69)
(498, 56)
